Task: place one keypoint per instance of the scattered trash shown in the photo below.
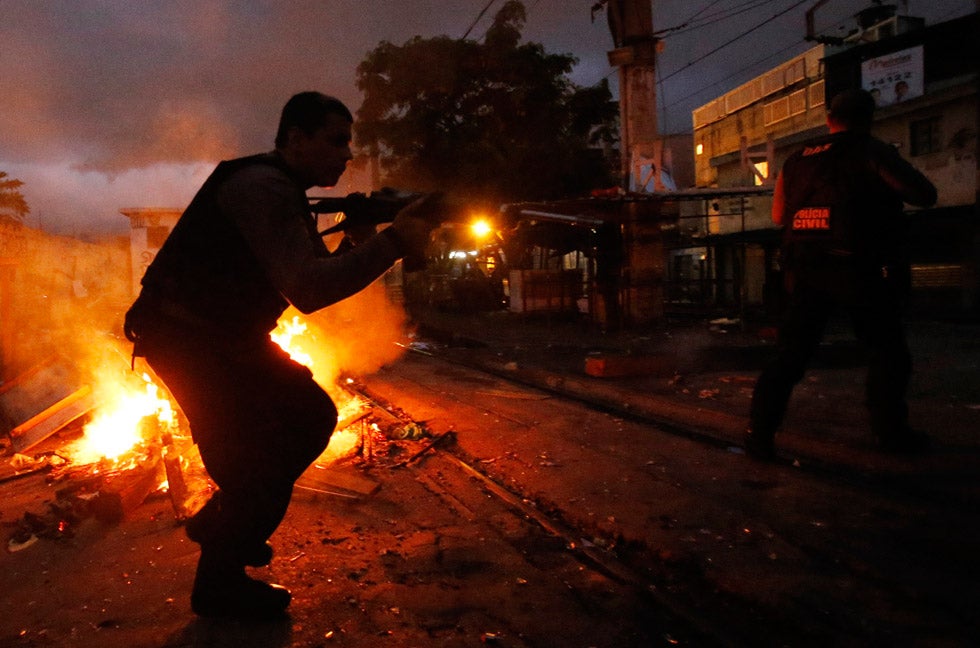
(411, 431)
(14, 545)
(449, 435)
(725, 322)
(422, 347)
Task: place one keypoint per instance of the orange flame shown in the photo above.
(284, 335)
(116, 430)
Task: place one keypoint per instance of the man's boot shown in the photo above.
(200, 529)
(223, 590)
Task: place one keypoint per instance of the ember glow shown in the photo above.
(116, 429)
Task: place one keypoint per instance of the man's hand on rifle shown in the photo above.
(414, 224)
(358, 231)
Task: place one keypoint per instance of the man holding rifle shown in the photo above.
(246, 248)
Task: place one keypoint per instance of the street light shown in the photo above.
(480, 228)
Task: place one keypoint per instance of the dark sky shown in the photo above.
(106, 104)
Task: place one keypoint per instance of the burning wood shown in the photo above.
(111, 495)
(133, 445)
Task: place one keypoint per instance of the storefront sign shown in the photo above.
(895, 77)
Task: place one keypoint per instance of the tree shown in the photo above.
(12, 203)
(498, 120)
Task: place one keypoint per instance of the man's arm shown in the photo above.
(907, 181)
(263, 203)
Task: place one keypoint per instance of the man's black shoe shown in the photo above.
(759, 446)
(906, 442)
(239, 598)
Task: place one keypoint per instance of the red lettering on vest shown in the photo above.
(812, 218)
(814, 150)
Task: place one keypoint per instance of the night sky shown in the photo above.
(106, 104)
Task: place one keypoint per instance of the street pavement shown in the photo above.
(699, 375)
(854, 543)
(836, 541)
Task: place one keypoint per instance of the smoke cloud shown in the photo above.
(105, 105)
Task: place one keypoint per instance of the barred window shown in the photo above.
(797, 102)
(926, 136)
(816, 94)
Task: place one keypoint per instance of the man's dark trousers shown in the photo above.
(875, 302)
(259, 420)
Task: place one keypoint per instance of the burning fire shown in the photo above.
(289, 334)
(284, 335)
(115, 431)
(117, 428)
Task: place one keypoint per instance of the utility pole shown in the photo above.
(631, 24)
(638, 297)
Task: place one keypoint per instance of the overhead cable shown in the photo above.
(478, 17)
(737, 38)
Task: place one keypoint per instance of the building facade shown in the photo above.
(925, 79)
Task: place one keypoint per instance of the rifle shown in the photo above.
(375, 208)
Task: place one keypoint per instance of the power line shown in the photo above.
(718, 16)
(478, 17)
(702, 10)
(737, 38)
(528, 10)
(735, 74)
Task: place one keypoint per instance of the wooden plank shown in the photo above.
(333, 481)
(122, 492)
(41, 426)
(36, 389)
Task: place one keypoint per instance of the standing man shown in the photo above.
(247, 247)
(845, 244)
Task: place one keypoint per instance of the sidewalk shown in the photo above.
(699, 376)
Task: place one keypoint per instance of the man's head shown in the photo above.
(851, 110)
(314, 137)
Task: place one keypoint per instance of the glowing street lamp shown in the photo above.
(480, 228)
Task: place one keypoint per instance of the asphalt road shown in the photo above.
(594, 529)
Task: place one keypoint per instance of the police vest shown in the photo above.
(835, 202)
(207, 269)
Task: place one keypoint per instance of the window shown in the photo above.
(776, 111)
(816, 91)
(926, 136)
(797, 102)
(796, 71)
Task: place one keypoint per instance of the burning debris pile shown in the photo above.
(107, 458)
(106, 449)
